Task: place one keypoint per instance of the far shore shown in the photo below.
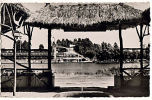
(45, 61)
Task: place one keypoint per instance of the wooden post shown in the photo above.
(29, 33)
(49, 49)
(121, 55)
(141, 47)
(10, 20)
(29, 60)
(141, 36)
(0, 60)
(49, 59)
(0, 71)
(14, 88)
(29, 52)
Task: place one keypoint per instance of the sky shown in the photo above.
(130, 37)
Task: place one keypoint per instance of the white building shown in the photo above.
(64, 54)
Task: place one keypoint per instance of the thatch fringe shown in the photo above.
(86, 15)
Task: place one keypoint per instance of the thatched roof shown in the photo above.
(86, 17)
(146, 16)
(12, 8)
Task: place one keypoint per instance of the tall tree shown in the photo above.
(59, 42)
(18, 45)
(116, 52)
(75, 41)
(147, 52)
(41, 47)
(25, 45)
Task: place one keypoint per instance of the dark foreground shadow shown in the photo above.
(90, 91)
(129, 92)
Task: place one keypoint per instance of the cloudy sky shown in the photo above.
(130, 37)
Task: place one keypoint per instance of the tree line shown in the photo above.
(102, 52)
(24, 45)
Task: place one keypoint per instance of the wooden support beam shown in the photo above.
(8, 37)
(0, 57)
(12, 27)
(137, 31)
(49, 49)
(145, 30)
(29, 52)
(14, 88)
(29, 57)
(22, 65)
(135, 68)
(141, 35)
(29, 34)
(141, 47)
(10, 20)
(50, 75)
(34, 69)
(145, 67)
(128, 74)
(121, 55)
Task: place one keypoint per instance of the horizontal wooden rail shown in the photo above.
(23, 69)
(133, 68)
(133, 48)
(16, 62)
(127, 74)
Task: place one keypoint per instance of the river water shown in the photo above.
(86, 74)
(80, 74)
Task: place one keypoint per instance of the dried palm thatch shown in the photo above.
(7, 13)
(86, 17)
(146, 16)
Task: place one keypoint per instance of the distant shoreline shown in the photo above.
(75, 62)
(44, 61)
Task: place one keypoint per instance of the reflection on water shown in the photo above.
(81, 74)
(86, 74)
(86, 68)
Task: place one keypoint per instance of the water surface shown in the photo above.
(79, 74)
